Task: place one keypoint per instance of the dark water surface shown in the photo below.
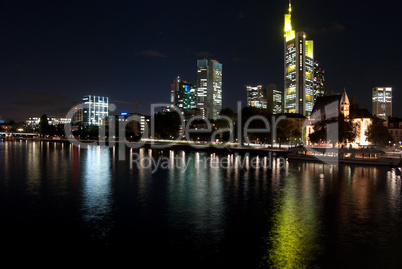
(67, 205)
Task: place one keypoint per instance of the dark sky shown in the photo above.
(55, 52)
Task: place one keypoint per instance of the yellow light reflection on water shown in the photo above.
(295, 227)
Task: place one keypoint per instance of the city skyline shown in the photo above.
(55, 53)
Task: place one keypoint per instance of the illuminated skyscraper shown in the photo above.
(274, 94)
(298, 71)
(382, 102)
(256, 97)
(96, 109)
(183, 95)
(209, 88)
(319, 80)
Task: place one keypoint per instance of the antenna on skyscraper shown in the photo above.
(290, 7)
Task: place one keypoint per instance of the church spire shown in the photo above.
(345, 105)
(345, 98)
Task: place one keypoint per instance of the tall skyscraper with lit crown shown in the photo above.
(298, 71)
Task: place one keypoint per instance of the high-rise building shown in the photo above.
(274, 94)
(96, 109)
(138, 127)
(382, 102)
(256, 97)
(298, 71)
(319, 80)
(209, 88)
(183, 95)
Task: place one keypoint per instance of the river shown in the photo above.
(66, 205)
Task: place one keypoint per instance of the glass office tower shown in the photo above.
(209, 88)
(256, 97)
(183, 95)
(382, 102)
(298, 71)
(96, 109)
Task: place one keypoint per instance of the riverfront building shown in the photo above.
(34, 122)
(139, 126)
(382, 102)
(298, 70)
(328, 108)
(209, 88)
(96, 109)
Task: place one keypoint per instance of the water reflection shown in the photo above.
(394, 191)
(97, 190)
(46, 163)
(204, 207)
(349, 205)
(293, 238)
(196, 196)
(34, 168)
(75, 165)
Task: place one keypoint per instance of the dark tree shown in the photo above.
(344, 127)
(378, 134)
(15, 126)
(248, 113)
(44, 127)
(224, 124)
(320, 132)
(346, 131)
(167, 125)
(289, 130)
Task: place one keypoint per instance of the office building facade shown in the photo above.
(298, 71)
(274, 94)
(96, 109)
(137, 126)
(183, 95)
(382, 102)
(256, 97)
(209, 88)
(319, 80)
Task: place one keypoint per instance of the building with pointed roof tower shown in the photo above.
(330, 107)
(345, 105)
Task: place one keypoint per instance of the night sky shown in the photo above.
(55, 52)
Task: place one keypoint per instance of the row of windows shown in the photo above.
(395, 132)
